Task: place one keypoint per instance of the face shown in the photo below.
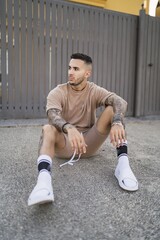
(78, 73)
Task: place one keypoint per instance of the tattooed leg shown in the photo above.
(41, 142)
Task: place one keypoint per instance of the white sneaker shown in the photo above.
(42, 193)
(126, 178)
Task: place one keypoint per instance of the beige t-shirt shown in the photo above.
(78, 107)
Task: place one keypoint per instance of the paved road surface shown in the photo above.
(89, 204)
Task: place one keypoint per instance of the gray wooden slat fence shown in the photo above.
(38, 37)
(148, 67)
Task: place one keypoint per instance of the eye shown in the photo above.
(76, 68)
(69, 67)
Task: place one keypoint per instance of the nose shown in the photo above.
(70, 71)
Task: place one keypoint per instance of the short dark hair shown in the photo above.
(83, 57)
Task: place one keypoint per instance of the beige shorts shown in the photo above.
(93, 139)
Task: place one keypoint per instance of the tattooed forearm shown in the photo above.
(119, 107)
(55, 119)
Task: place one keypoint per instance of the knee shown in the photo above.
(109, 113)
(105, 120)
(109, 109)
(49, 131)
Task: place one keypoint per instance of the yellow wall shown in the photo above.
(126, 6)
(158, 12)
(97, 3)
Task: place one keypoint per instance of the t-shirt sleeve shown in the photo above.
(54, 99)
(101, 95)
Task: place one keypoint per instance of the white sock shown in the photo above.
(123, 161)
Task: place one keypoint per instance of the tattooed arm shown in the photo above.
(117, 132)
(119, 108)
(55, 119)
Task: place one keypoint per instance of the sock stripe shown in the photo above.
(44, 160)
(122, 150)
(44, 165)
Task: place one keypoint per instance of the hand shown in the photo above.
(76, 140)
(117, 135)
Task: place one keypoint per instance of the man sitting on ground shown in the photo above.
(73, 129)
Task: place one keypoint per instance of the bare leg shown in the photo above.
(43, 191)
(123, 172)
(104, 121)
(50, 138)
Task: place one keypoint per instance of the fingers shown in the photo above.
(117, 136)
(79, 146)
(77, 142)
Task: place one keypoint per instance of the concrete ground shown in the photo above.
(89, 204)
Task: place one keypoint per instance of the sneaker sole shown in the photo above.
(41, 200)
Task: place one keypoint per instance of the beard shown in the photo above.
(77, 83)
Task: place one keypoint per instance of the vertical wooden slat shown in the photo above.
(141, 58)
(148, 110)
(114, 81)
(132, 29)
(23, 57)
(126, 59)
(36, 59)
(105, 49)
(17, 60)
(4, 80)
(70, 32)
(122, 64)
(29, 60)
(100, 51)
(109, 56)
(95, 47)
(128, 81)
(85, 32)
(155, 65)
(153, 68)
(150, 84)
(59, 43)
(118, 55)
(53, 46)
(132, 70)
(157, 99)
(91, 32)
(155, 60)
(147, 91)
(81, 30)
(145, 71)
(75, 29)
(65, 56)
(47, 50)
(41, 50)
(11, 76)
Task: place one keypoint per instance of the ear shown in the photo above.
(88, 74)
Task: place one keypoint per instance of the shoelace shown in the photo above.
(72, 160)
